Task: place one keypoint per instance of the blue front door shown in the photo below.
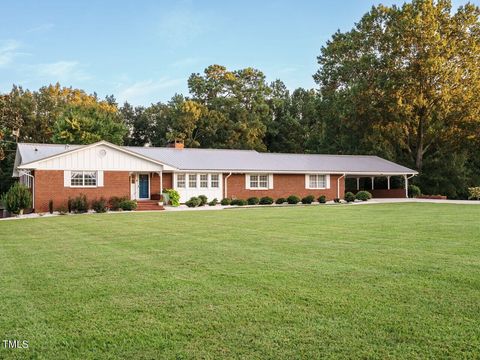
(143, 186)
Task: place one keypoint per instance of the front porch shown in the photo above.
(146, 188)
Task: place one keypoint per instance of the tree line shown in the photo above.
(403, 84)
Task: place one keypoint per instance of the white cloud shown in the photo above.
(187, 62)
(40, 28)
(146, 91)
(8, 51)
(182, 24)
(61, 71)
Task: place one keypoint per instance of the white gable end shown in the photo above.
(98, 157)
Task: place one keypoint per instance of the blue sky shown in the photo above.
(144, 51)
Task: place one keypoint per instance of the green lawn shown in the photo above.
(373, 281)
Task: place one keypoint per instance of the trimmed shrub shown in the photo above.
(100, 205)
(226, 201)
(336, 200)
(414, 191)
(69, 204)
(213, 202)
(128, 205)
(173, 196)
(17, 198)
(293, 199)
(50, 206)
(80, 204)
(253, 201)
(239, 202)
(203, 200)
(114, 202)
(322, 199)
(349, 197)
(281, 201)
(474, 193)
(363, 195)
(193, 202)
(308, 199)
(266, 200)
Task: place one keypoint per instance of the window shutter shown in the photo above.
(307, 181)
(67, 176)
(327, 180)
(99, 178)
(270, 181)
(247, 181)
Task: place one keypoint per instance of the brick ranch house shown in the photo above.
(58, 172)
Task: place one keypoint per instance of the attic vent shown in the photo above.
(102, 153)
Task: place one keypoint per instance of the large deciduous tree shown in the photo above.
(405, 83)
(235, 108)
(87, 124)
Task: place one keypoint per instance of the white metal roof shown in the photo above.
(237, 160)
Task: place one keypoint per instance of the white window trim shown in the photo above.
(327, 181)
(269, 182)
(83, 177)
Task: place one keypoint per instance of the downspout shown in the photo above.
(225, 184)
(406, 184)
(338, 185)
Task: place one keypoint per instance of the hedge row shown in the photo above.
(80, 204)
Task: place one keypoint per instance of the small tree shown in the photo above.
(17, 198)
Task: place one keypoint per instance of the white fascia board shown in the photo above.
(322, 172)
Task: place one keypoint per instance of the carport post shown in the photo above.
(388, 182)
(406, 185)
(373, 180)
(358, 183)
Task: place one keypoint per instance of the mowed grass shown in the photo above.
(373, 281)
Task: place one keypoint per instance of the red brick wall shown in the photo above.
(155, 182)
(284, 185)
(49, 186)
(386, 193)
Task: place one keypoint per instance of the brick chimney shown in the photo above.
(177, 144)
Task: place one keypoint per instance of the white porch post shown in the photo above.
(358, 183)
(161, 182)
(406, 185)
(388, 182)
(373, 180)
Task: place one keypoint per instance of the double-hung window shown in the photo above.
(204, 180)
(83, 179)
(258, 181)
(214, 180)
(317, 181)
(180, 180)
(192, 180)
